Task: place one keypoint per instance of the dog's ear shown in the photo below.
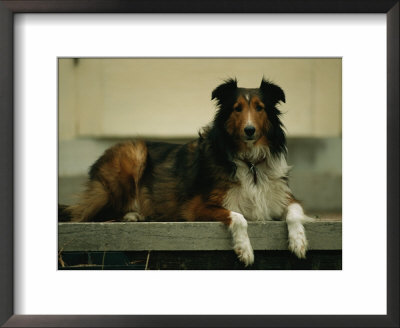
(225, 91)
(272, 95)
(272, 92)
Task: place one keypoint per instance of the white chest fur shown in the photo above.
(264, 200)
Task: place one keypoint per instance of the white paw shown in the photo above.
(244, 251)
(297, 236)
(241, 241)
(133, 217)
(298, 241)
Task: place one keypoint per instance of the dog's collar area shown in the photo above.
(252, 167)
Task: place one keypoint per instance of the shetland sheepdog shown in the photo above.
(236, 171)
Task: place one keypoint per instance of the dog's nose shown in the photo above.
(249, 130)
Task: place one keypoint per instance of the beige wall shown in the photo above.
(172, 97)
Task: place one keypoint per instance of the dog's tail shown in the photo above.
(64, 215)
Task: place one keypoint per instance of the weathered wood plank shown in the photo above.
(189, 236)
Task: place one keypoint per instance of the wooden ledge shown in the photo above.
(188, 236)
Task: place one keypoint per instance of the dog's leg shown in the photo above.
(196, 210)
(114, 183)
(241, 241)
(297, 236)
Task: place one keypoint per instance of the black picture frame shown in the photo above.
(11, 7)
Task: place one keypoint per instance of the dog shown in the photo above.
(236, 171)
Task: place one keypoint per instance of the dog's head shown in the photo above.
(249, 117)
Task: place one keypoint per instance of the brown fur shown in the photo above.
(95, 198)
(200, 209)
(243, 112)
(116, 183)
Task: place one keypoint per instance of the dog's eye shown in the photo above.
(238, 108)
(259, 108)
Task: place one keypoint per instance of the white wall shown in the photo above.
(172, 97)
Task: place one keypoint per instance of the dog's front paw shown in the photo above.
(241, 241)
(297, 241)
(133, 217)
(245, 253)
